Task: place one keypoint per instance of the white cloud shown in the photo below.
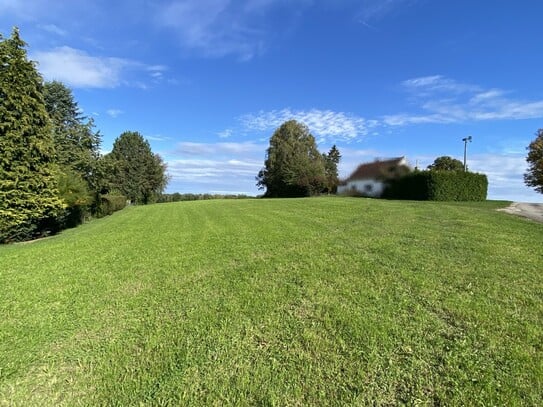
(78, 69)
(215, 149)
(505, 174)
(205, 167)
(213, 171)
(443, 100)
(325, 124)
(225, 133)
(54, 29)
(114, 113)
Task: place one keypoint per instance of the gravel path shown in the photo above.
(532, 211)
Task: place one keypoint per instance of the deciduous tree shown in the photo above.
(293, 165)
(446, 163)
(534, 175)
(28, 189)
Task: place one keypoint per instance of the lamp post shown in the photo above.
(465, 140)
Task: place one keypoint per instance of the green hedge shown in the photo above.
(439, 186)
(110, 203)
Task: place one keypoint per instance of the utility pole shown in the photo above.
(465, 140)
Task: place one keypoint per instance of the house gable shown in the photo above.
(369, 179)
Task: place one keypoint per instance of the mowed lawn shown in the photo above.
(322, 301)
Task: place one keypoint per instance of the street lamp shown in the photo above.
(465, 140)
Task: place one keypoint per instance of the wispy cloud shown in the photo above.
(54, 29)
(430, 85)
(157, 71)
(59, 12)
(216, 28)
(157, 137)
(114, 113)
(374, 10)
(18, 8)
(444, 100)
(325, 124)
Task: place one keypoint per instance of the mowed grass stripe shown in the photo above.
(277, 302)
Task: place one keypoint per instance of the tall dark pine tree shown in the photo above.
(137, 172)
(28, 189)
(293, 166)
(331, 161)
(76, 144)
(77, 153)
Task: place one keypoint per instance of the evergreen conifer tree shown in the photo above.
(136, 172)
(28, 190)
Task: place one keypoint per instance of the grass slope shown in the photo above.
(277, 302)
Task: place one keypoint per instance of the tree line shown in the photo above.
(52, 174)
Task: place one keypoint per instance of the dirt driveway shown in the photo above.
(532, 211)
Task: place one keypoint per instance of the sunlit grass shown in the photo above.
(322, 301)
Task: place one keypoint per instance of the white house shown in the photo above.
(369, 178)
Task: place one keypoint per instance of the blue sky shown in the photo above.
(208, 81)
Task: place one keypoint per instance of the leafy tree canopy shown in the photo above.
(293, 165)
(137, 172)
(534, 176)
(446, 163)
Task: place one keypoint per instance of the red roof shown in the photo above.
(378, 169)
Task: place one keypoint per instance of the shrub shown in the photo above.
(75, 195)
(439, 186)
(110, 203)
(414, 186)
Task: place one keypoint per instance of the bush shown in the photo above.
(458, 186)
(110, 203)
(75, 195)
(439, 186)
(413, 186)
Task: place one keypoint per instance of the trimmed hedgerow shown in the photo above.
(439, 186)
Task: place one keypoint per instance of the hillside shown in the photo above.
(277, 302)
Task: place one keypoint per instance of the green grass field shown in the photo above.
(323, 301)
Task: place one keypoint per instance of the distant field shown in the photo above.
(323, 301)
